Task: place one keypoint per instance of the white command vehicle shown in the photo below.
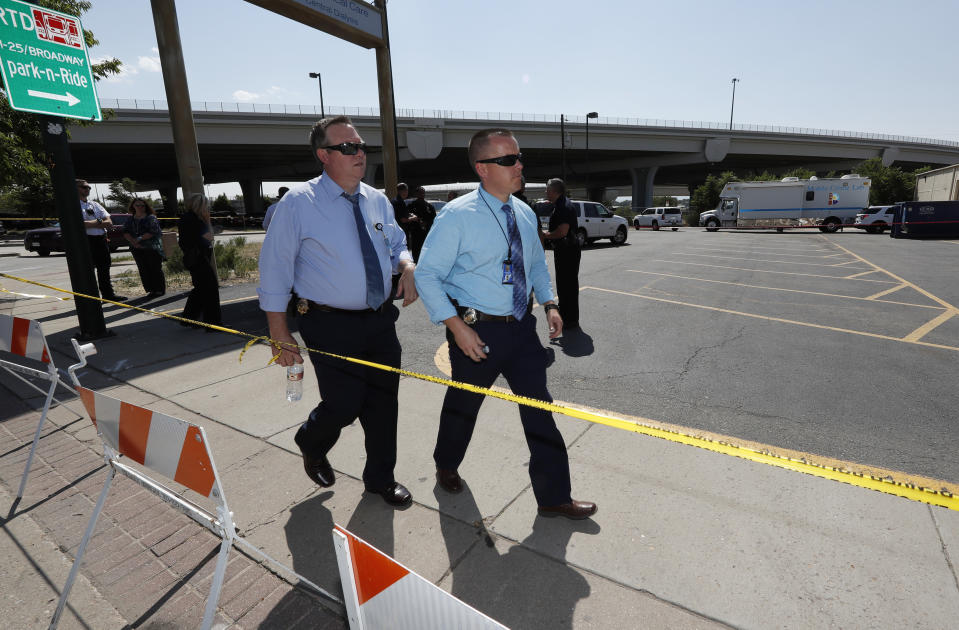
(596, 222)
(655, 218)
(875, 219)
(792, 202)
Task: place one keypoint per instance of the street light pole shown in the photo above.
(562, 142)
(588, 116)
(316, 75)
(733, 106)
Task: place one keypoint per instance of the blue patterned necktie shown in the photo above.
(520, 297)
(371, 262)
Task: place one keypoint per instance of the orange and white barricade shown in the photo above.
(180, 452)
(381, 593)
(23, 339)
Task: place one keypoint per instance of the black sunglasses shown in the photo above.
(347, 148)
(503, 160)
(84, 187)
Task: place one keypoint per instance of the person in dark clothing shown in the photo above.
(401, 212)
(97, 221)
(566, 252)
(196, 241)
(424, 213)
(143, 233)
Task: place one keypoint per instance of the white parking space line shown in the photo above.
(780, 262)
(781, 320)
(898, 279)
(871, 298)
(786, 273)
(761, 250)
(864, 273)
(928, 327)
(884, 293)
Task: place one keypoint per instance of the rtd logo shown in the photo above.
(57, 29)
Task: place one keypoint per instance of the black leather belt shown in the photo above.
(303, 306)
(471, 315)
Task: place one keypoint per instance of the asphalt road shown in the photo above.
(841, 346)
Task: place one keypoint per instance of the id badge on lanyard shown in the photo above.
(507, 271)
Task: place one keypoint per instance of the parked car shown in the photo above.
(875, 219)
(596, 222)
(48, 239)
(593, 220)
(659, 216)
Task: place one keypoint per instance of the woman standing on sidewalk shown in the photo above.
(143, 233)
(196, 241)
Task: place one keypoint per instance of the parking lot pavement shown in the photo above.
(837, 346)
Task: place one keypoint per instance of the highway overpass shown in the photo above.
(252, 143)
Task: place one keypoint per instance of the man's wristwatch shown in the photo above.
(550, 307)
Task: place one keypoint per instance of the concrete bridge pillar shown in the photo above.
(596, 193)
(643, 186)
(168, 195)
(252, 202)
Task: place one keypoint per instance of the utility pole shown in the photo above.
(562, 142)
(733, 106)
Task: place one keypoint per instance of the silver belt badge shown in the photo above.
(470, 316)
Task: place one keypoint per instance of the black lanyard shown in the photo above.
(509, 242)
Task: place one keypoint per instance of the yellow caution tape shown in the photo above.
(914, 492)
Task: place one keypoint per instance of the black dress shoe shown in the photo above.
(449, 480)
(319, 470)
(395, 494)
(576, 510)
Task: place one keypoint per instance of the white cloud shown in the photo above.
(525, 78)
(245, 97)
(156, 51)
(150, 64)
(126, 70)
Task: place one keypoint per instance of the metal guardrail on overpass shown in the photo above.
(455, 114)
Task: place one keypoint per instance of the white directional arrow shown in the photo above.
(69, 99)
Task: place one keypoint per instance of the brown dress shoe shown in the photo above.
(576, 510)
(449, 480)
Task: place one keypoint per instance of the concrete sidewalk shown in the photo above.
(684, 538)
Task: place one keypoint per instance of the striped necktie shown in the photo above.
(520, 296)
(371, 262)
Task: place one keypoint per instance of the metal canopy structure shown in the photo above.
(365, 25)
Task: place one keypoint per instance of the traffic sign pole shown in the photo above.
(79, 261)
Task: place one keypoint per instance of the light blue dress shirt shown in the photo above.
(313, 248)
(464, 252)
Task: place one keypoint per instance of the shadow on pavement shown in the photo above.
(511, 587)
(575, 343)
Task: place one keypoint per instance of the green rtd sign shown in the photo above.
(44, 61)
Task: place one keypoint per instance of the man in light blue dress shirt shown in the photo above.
(334, 242)
(479, 265)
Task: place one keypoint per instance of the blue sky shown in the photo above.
(878, 66)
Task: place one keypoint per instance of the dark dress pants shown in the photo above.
(567, 284)
(100, 254)
(204, 300)
(516, 353)
(349, 391)
(150, 265)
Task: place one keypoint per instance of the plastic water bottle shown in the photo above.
(294, 382)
